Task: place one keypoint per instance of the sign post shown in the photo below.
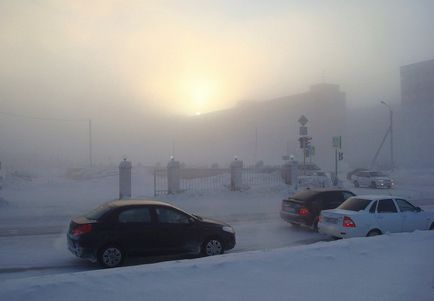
(337, 144)
(304, 140)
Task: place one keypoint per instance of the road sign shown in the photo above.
(303, 120)
(337, 142)
(303, 131)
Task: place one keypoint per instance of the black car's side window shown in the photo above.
(386, 205)
(170, 216)
(135, 215)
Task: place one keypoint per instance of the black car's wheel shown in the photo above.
(212, 246)
(356, 184)
(374, 232)
(432, 226)
(110, 256)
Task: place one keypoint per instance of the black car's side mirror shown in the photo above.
(418, 209)
(191, 220)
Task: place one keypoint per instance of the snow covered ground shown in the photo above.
(268, 255)
(389, 267)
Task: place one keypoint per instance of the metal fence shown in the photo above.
(213, 179)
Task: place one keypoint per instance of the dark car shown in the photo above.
(139, 227)
(303, 208)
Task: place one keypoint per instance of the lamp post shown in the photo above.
(392, 161)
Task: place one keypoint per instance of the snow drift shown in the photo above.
(389, 267)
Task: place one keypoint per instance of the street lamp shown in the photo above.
(391, 133)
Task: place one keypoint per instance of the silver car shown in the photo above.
(372, 179)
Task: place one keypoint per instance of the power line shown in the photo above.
(42, 118)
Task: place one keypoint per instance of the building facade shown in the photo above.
(417, 110)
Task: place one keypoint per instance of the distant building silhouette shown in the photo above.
(417, 104)
(267, 130)
(417, 83)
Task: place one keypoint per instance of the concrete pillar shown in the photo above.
(173, 176)
(286, 173)
(125, 179)
(236, 175)
(290, 173)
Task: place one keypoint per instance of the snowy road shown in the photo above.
(24, 255)
(33, 226)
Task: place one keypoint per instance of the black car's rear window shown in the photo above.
(354, 204)
(98, 212)
(303, 195)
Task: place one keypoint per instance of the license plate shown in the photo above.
(289, 208)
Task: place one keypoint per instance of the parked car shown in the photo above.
(303, 208)
(372, 179)
(354, 171)
(317, 179)
(374, 215)
(140, 227)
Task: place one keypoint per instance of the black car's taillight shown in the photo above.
(303, 211)
(81, 229)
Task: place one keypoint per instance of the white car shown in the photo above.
(374, 215)
(317, 179)
(373, 179)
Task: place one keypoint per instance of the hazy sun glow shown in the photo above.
(199, 95)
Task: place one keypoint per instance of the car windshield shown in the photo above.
(98, 212)
(376, 174)
(354, 204)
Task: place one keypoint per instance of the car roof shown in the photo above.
(309, 193)
(376, 197)
(136, 202)
(121, 203)
(325, 189)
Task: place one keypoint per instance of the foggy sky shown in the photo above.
(121, 61)
(82, 58)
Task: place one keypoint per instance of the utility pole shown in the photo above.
(388, 132)
(392, 159)
(90, 143)
(256, 145)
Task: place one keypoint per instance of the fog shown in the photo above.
(197, 79)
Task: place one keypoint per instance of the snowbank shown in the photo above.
(389, 267)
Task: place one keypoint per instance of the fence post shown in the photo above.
(173, 176)
(236, 175)
(125, 179)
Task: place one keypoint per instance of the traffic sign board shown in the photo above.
(303, 120)
(303, 131)
(337, 142)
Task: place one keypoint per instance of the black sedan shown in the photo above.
(304, 208)
(140, 227)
